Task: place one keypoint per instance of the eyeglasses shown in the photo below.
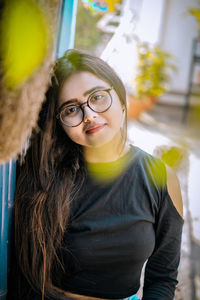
(72, 115)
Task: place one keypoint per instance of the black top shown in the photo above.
(115, 226)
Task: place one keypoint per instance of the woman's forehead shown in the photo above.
(78, 83)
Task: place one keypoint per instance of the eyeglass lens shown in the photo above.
(73, 114)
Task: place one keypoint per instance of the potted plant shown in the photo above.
(151, 80)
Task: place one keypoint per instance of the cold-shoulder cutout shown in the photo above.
(174, 191)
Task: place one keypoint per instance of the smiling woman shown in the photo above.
(100, 101)
(95, 122)
(89, 208)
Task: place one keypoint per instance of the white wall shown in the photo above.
(176, 37)
(163, 22)
(167, 23)
(150, 20)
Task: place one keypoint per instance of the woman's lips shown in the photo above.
(94, 129)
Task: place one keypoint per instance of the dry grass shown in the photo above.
(19, 108)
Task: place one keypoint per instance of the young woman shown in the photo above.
(90, 209)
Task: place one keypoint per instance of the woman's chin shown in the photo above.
(101, 141)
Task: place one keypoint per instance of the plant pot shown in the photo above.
(137, 106)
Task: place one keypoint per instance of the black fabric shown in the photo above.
(116, 226)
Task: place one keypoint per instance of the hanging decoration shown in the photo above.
(99, 7)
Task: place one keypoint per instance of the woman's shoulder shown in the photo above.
(173, 187)
(159, 175)
(152, 168)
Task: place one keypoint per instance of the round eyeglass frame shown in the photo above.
(58, 115)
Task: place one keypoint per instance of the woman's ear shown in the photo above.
(123, 116)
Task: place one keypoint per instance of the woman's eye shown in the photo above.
(70, 110)
(97, 97)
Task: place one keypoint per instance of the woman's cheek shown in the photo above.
(75, 134)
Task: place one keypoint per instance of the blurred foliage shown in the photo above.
(100, 7)
(111, 4)
(173, 156)
(152, 71)
(108, 171)
(24, 39)
(155, 172)
(87, 35)
(195, 12)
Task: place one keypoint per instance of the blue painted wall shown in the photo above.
(67, 26)
(7, 188)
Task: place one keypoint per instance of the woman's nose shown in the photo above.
(89, 114)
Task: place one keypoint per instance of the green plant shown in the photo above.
(195, 12)
(152, 71)
(87, 35)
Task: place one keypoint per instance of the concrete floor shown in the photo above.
(163, 127)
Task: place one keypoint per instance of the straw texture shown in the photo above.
(19, 108)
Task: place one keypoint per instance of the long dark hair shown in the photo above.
(46, 178)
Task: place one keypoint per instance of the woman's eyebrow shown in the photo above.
(93, 89)
(68, 102)
(84, 94)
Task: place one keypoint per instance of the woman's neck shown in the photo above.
(106, 153)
